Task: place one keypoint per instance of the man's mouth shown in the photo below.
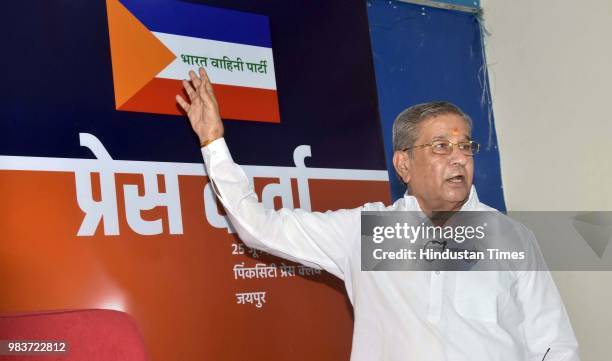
(456, 179)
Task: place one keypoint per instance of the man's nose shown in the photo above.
(457, 156)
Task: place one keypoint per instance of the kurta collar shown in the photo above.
(471, 204)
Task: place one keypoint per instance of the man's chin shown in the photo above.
(457, 195)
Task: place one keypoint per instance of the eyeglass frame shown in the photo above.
(453, 144)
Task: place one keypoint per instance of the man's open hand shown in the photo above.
(202, 110)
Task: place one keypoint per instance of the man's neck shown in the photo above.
(439, 212)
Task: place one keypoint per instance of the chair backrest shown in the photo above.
(94, 335)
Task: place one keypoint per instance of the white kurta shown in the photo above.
(418, 315)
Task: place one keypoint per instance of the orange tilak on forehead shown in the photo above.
(455, 131)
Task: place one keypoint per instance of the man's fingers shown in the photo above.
(207, 94)
(207, 90)
(206, 82)
(203, 75)
(203, 79)
(189, 89)
(194, 79)
(182, 103)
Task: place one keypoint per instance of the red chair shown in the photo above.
(93, 335)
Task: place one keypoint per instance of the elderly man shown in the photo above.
(454, 316)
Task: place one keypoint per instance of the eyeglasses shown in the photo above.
(445, 147)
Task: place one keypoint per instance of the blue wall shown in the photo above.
(423, 54)
(470, 3)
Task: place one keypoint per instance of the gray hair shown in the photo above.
(405, 126)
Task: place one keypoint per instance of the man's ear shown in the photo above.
(403, 165)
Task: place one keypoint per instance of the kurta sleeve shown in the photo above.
(315, 239)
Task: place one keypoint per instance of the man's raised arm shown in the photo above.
(321, 240)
